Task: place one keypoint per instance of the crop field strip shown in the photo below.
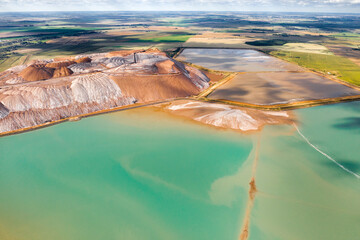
(338, 66)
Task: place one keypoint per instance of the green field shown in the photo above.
(161, 40)
(11, 61)
(164, 39)
(341, 67)
(171, 38)
(348, 35)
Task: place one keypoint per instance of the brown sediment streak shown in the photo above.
(244, 234)
(287, 106)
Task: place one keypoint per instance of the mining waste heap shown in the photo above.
(50, 90)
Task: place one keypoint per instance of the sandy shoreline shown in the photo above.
(79, 117)
(225, 116)
(274, 108)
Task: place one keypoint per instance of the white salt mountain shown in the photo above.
(34, 94)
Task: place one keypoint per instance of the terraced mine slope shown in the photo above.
(50, 90)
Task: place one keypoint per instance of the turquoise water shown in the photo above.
(305, 193)
(142, 174)
(335, 129)
(125, 175)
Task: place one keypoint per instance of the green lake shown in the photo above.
(142, 174)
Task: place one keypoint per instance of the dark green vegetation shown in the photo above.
(47, 32)
(271, 42)
(174, 37)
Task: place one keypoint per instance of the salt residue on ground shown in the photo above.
(225, 116)
(48, 90)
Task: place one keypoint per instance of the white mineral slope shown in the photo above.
(24, 98)
(95, 88)
(282, 113)
(35, 104)
(225, 116)
(87, 67)
(197, 77)
(101, 83)
(149, 58)
(3, 111)
(230, 118)
(34, 117)
(116, 61)
(194, 105)
(9, 77)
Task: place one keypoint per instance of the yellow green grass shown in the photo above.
(304, 47)
(341, 67)
(162, 38)
(10, 62)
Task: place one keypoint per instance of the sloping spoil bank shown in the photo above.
(225, 116)
(96, 82)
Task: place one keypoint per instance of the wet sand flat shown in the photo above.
(235, 60)
(280, 87)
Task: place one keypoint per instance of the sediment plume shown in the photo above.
(51, 90)
(244, 233)
(253, 189)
